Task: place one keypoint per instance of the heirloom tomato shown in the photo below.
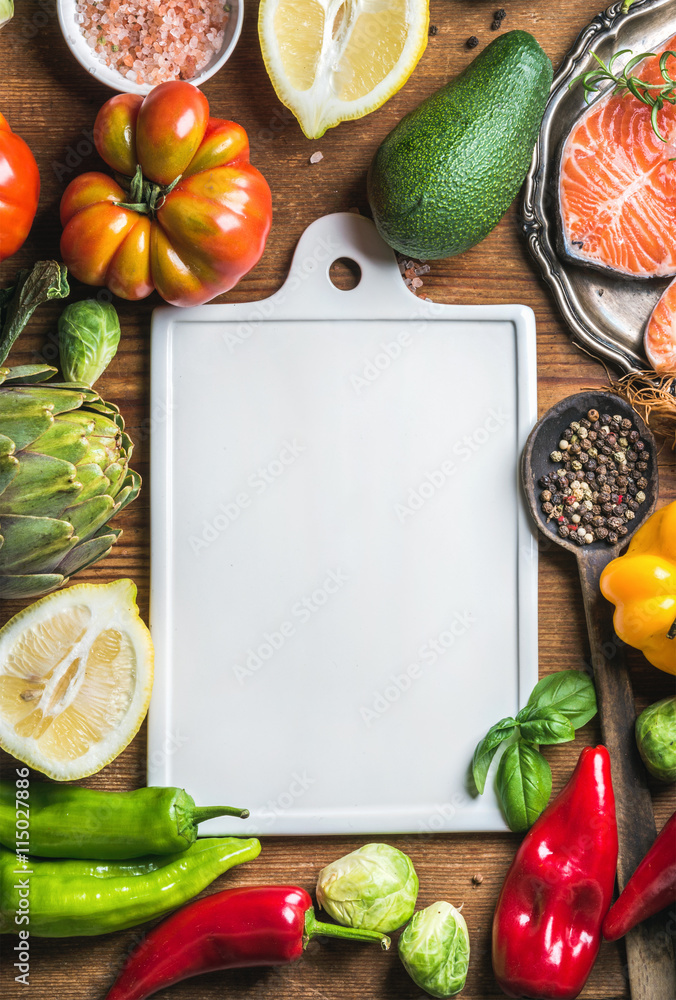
(19, 190)
(187, 215)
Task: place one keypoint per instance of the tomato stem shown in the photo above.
(146, 197)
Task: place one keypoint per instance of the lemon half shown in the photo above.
(332, 60)
(76, 672)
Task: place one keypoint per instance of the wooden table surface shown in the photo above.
(52, 103)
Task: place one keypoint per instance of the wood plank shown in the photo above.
(52, 103)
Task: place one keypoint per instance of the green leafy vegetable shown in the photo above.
(434, 949)
(374, 887)
(569, 692)
(89, 334)
(541, 725)
(653, 95)
(559, 704)
(488, 747)
(47, 280)
(524, 784)
(6, 11)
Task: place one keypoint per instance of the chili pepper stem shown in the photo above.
(202, 813)
(313, 927)
(671, 634)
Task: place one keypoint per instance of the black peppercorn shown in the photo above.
(564, 530)
(472, 42)
(612, 537)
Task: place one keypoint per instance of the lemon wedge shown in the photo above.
(332, 60)
(76, 672)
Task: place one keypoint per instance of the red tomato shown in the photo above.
(190, 215)
(19, 190)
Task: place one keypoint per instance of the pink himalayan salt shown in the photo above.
(152, 41)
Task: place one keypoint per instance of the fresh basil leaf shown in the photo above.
(569, 692)
(524, 784)
(487, 748)
(542, 725)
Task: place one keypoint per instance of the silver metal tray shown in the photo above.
(607, 315)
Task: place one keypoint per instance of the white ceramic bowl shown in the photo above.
(70, 28)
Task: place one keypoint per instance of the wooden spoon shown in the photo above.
(650, 953)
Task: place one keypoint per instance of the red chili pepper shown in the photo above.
(547, 924)
(237, 928)
(650, 888)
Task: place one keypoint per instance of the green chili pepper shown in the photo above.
(73, 822)
(72, 898)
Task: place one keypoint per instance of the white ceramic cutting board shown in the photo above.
(344, 582)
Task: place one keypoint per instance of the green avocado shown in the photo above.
(447, 173)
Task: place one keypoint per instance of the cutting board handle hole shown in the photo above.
(345, 274)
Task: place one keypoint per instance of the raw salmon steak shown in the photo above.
(617, 186)
(659, 341)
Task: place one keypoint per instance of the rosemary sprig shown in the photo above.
(654, 95)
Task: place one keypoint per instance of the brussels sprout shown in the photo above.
(435, 950)
(656, 738)
(6, 11)
(374, 887)
(89, 333)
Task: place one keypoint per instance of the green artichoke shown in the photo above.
(64, 473)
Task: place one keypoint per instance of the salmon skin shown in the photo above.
(659, 341)
(617, 186)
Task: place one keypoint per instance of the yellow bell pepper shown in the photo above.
(642, 586)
